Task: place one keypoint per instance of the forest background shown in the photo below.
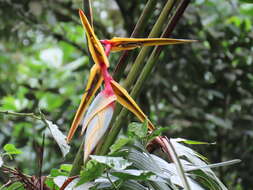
(201, 91)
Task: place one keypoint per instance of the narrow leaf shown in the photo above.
(186, 141)
(132, 174)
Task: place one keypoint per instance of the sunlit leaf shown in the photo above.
(11, 149)
(1, 161)
(66, 167)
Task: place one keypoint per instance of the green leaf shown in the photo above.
(11, 149)
(158, 132)
(66, 167)
(138, 129)
(56, 172)
(186, 141)
(117, 163)
(119, 144)
(132, 174)
(92, 171)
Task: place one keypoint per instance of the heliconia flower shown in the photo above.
(97, 120)
(99, 114)
(121, 44)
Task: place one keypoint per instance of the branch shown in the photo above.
(32, 115)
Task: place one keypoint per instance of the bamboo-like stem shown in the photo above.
(156, 52)
(78, 161)
(155, 32)
(139, 62)
(144, 74)
(139, 27)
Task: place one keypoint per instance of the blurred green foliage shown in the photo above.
(203, 90)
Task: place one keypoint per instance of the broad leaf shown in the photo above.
(116, 163)
(11, 149)
(138, 129)
(92, 171)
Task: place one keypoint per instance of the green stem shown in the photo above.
(155, 32)
(32, 115)
(88, 11)
(78, 162)
(139, 27)
(152, 61)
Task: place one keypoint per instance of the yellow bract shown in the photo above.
(95, 47)
(94, 82)
(119, 44)
(127, 101)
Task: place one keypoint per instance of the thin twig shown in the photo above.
(67, 182)
(32, 115)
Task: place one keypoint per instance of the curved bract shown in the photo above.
(95, 47)
(97, 121)
(121, 44)
(128, 102)
(94, 82)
